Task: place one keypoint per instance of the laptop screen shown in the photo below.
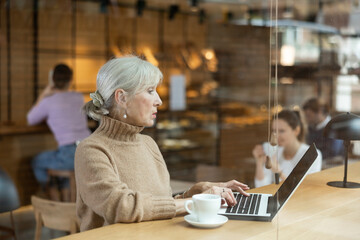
(290, 184)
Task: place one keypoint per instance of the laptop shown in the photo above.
(264, 207)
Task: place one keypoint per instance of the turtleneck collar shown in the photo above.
(118, 130)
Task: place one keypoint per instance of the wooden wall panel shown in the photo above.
(90, 34)
(55, 30)
(174, 31)
(3, 63)
(21, 37)
(121, 28)
(148, 31)
(196, 31)
(87, 69)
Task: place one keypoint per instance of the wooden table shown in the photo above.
(315, 211)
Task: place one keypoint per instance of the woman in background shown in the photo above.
(291, 147)
(60, 108)
(121, 175)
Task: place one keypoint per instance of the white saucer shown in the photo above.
(220, 220)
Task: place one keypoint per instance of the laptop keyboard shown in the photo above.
(245, 205)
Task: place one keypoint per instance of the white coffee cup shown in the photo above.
(204, 207)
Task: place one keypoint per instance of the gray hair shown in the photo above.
(129, 73)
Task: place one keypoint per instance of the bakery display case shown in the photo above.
(187, 139)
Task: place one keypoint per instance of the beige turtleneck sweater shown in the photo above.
(121, 176)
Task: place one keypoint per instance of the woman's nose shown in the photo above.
(158, 101)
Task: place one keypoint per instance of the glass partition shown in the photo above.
(240, 62)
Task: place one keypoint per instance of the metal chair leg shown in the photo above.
(13, 224)
(11, 231)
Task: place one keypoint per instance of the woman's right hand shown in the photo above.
(259, 154)
(48, 91)
(224, 189)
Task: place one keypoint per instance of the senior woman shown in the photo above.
(121, 175)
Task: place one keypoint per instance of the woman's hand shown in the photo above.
(48, 91)
(259, 154)
(224, 189)
(260, 158)
(225, 193)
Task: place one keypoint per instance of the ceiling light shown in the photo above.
(173, 10)
(140, 5)
(194, 5)
(202, 16)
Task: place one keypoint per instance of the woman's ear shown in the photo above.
(297, 131)
(120, 97)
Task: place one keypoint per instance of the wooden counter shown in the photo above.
(315, 211)
(9, 130)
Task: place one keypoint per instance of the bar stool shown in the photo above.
(71, 195)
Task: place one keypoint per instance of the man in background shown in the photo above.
(317, 117)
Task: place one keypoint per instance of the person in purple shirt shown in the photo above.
(61, 110)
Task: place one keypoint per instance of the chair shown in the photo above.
(66, 195)
(9, 201)
(55, 215)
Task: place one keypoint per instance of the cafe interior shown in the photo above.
(229, 66)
